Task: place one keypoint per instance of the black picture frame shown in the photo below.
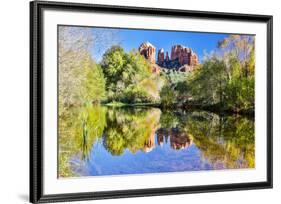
(36, 101)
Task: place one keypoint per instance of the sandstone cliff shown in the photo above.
(148, 51)
(182, 58)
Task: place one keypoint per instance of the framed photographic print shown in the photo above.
(130, 101)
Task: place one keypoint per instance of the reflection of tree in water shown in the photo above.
(149, 144)
(136, 129)
(131, 129)
(78, 130)
(225, 141)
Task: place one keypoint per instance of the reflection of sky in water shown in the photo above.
(136, 141)
(162, 158)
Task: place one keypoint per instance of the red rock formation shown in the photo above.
(148, 51)
(182, 58)
(167, 56)
(184, 55)
(160, 59)
(155, 69)
(186, 68)
(193, 59)
(176, 52)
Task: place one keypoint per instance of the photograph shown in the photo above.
(146, 101)
(129, 101)
(140, 101)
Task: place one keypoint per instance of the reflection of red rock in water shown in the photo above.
(178, 140)
(160, 139)
(161, 136)
(149, 144)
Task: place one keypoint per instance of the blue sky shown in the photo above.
(131, 39)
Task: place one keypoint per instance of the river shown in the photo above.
(115, 141)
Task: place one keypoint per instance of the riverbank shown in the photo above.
(216, 108)
(121, 104)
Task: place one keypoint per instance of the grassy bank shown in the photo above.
(121, 104)
(215, 108)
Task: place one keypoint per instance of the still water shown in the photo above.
(112, 141)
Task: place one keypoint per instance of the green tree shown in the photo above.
(129, 77)
(207, 83)
(112, 64)
(226, 78)
(135, 94)
(80, 79)
(167, 96)
(93, 87)
(242, 48)
(239, 56)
